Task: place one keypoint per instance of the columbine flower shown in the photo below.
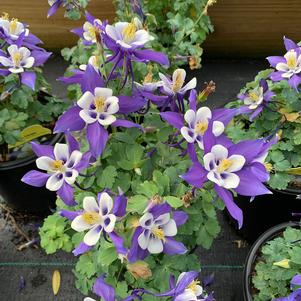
(19, 59)
(256, 99)
(62, 164)
(155, 233)
(104, 290)
(95, 110)
(13, 28)
(99, 218)
(91, 30)
(54, 6)
(289, 66)
(232, 166)
(187, 288)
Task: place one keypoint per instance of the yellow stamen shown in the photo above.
(5, 16)
(158, 233)
(13, 25)
(224, 165)
(99, 104)
(201, 127)
(268, 166)
(129, 31)
(254, 96)
(292, 61)
(91, 217)
(17, 58)
(58, 165)
(193, 286)
(177, 85)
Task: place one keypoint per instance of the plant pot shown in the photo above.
(21, 196)
(255, 251)
(266, 211)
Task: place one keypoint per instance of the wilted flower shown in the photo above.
(139, 269)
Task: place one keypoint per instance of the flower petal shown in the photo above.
(92, 236)
(90, 204)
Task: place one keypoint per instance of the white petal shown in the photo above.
(24, 52)
(61, 152)
(112, 33)
(70, 176)
(12, 49)
(5, 61)
(55, 182)
(190, 118)
(28, 63)
(79, 224)
(238, 162)
(179, 73)
(143, 239)
(203, 114)
(44, 163)
(162, 219)
(219, 151)
(112, 105)
(89, 299)
(209, 161)
(166, 84)
(200, 143)
(170, 229)
(231, 181)
(215, 178)
(155, 246)
(106, 119)
(282, 67)
(93, 235)
(199, 290)
(105, 204)
(85, 115)
(16, 70)
(181, 276)
(109, 223)
(124, 44)
(191, 85)
(187, 295)
(141, 37)
(87, 26)
(74, 159)
(146, 221)
(188, 134)
(217, 128)
(90, 204)
(85, 101)
(104, 92)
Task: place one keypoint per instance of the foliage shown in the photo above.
(270, 279)
(280, 116)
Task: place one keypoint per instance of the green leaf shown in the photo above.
(107, 256)
(137, 203)
(147, 188)
(107, 178)
(173, 201)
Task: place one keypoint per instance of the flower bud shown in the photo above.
(139, 269)
(283, 263)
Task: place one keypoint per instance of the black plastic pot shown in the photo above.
(19, 195)
(255, 252)
(267, 211)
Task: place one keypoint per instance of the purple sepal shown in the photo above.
(42, 150)
(35, 178)
(103, 290)
(135, 252)
(196, 175)
(81, 249)
(173, 247)
(120, 203)
(40, 57)
(160, 209)
(296, 280)
(150, 55)
(173, 118)
(66, 194)
(289, 44)
(126, 124)
(118, 243)
(52, 10)
(97, 137)
(193, 100)
(72, 142)
(130, 104)
(91, 80)
(28, 79)
(71, 215)
(180, 217)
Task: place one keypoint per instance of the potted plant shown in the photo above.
(272, 270)
(27, 112)
(141, 190)
(271, 105)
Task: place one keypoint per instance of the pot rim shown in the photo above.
(29, 159)
(252, 255)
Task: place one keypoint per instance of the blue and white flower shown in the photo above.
(13, 28)
(18, 60)
(96, 217)
(92, 30)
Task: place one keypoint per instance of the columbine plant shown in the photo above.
(25, 98)
(271, 104)
(149, 146)
(277, 273)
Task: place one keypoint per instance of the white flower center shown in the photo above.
(158, 233)
(58, 165)
(201, 127)
(128, 33)
(17, 58)
(91, 217)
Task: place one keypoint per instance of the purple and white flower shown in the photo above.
(62, 164)
(18, 60)
(295, 295)
(13, 29)
(99, 218)
(232, 166)
(256, 99)
(96, 218)
(288, 66)
(155, 233)
(175, 85)
(127, 35)
(187, 288)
